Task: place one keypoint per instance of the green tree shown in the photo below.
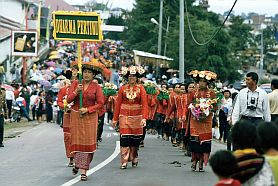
(216, 56)
(114, 20)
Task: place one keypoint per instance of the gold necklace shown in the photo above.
(131, 94)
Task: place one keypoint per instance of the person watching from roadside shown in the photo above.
(252, 103)
(20, 101)
(3, 114)
(224, 165)
(273, 101)
(268, 140)
(253, 169)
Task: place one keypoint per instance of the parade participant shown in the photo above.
(252, 103)
(65, 107)
(185, 117)
(162, 103)
(200, 121)
(152, 107)
(175, 108)
(131, 112)
(84, 120)
(169, 121)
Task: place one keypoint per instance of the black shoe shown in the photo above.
(1, 145)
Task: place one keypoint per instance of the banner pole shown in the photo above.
(80, 70)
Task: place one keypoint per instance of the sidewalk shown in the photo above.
(14, 129)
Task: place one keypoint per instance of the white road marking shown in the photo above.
(99, 166)
(115, 134)
(111, 128)
(108, 135)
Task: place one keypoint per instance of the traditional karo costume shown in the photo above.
(130, 109)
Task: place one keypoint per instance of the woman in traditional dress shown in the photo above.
(65, 107)
(201, 128)
(131, 110)
(84, 120)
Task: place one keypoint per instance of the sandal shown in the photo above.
(201, 168)
(124, 166)
(134, 164)
(193, 167)
(83, 177)
(70, 164)
(75, 170)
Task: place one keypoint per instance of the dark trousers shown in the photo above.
(253, 120)
(110, 116)
(223, 125)
(167, 129)
(159, 122)
(60, 115)
(100, 126)
(144, 134)
(1, 129)
(274, 118)
(229, 139)
(9, 106)
(24, 113)
(34, 112)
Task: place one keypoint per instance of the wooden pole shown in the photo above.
(80, 70)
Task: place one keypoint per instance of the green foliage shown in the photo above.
(216, 56)
(163, 95)
(114, 20)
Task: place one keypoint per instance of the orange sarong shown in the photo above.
(67, 135)
(131, 125)
(201, 129)
(83, 132)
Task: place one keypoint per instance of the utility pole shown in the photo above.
(167, 30)
(262, 54)
(159, 37)
(181, 42)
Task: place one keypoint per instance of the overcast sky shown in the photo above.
(269, 7)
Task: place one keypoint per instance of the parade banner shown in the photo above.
(24, 43)
(77, 26)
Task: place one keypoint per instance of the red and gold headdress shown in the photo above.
(96, 66)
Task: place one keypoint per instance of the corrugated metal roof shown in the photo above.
(150, 55)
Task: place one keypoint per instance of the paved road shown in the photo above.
(37, 158)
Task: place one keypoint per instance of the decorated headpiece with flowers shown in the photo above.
(109, 89)
(138, 71)
(205, 74)
(94, 65)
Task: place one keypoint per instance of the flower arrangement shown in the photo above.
(202, 107)
(134, 70)
(163, 95)
(150, 88)
(207, 75)
(109, 89)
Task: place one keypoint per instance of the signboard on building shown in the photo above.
(77, 26)
(24, 43)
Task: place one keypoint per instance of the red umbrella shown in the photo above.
(7, 87)
(65, 43)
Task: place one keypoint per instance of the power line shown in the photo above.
(215, 33)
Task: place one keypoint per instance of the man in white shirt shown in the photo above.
(9, 100)
(252, 102)
(273, 100)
